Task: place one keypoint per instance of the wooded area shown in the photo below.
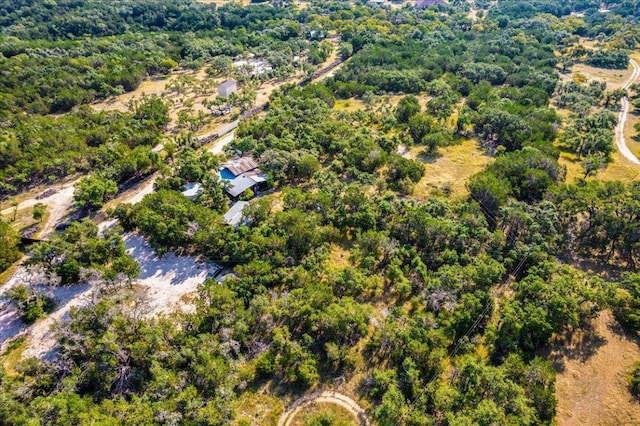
(434, 313)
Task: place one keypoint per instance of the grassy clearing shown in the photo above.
(339, 256)
(390, 101)
(189, 99)
(223, 2)
(8, 273)
(13, 355)
(450, 170)
(619, 169)
(324, 413)
(613, 78)
(257, 409)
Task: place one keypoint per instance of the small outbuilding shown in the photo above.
(233, 216)
(227, 88)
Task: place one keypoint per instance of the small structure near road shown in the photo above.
(227, 88)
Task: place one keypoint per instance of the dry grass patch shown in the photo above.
(450, 170)
(338, 256)
(619, 169)
(13, 355)
(591, 386)
(149, 87)
(322, 410)
(257, 409)
(613, 78)
(223, 2)
(349, 105)
(190, 98)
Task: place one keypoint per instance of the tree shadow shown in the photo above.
(428, 157)
(181, 268)
(593, 266)
(618, 329)
(578, 345)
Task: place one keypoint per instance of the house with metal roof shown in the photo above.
(241, 174)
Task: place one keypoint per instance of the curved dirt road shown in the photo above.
(622, 117)
(326, 397)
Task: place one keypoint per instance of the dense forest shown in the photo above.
(434, 312)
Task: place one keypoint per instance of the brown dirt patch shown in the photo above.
(591, 386)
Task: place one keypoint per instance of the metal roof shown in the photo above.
(233, 216)
(240, 165)
(239, 185)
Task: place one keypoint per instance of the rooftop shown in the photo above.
(429, 3)
(233, 216)
(240, 165)
(227, 84)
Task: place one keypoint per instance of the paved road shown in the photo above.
(325, 397)
(622, 117)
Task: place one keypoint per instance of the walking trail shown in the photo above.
(330, 397)
(622, 117)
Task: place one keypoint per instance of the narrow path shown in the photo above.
(622, 117)
(330, 397)
(218, 146)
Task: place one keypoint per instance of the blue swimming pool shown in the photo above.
(226, 174)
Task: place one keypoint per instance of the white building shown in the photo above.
(233, 216)
(227, 88)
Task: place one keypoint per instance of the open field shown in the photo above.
(300, 4)
(613, 78)
(58, 205)
(196, 88)
(450, 169)
(620, 169)
(258, 409)
(591, 385)
(329, 401)
(223, 2)
(325, 411)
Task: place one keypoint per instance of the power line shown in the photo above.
(476, 323)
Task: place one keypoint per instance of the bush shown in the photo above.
(29, 303)
(634, 380)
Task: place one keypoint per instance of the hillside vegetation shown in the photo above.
(428, 308)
